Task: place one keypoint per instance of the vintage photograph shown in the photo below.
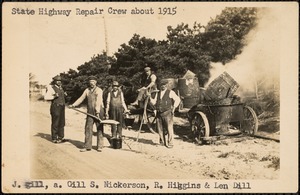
(150, 97)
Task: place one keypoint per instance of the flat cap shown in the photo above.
(57, 78)
(147, 68)
(164, 82)
(115, 83)
(92, 78)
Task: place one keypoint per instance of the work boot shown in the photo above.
(85, 150)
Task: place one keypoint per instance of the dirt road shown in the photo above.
(64, 161)
(237, 157)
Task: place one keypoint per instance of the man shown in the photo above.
(148, 82)
(165, 101)
(56, 95)
(115, 107)
(94, 107)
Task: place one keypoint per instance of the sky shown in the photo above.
(47, 46)
(58, 43)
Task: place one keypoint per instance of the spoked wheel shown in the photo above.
(250, 123)
(200, 127)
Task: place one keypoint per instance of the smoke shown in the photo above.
(258, 64)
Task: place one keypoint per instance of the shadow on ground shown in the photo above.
(47, 137)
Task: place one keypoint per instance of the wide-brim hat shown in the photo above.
(92, 78)
(56, 78)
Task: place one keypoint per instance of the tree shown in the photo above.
(224, 37)
(76, 82)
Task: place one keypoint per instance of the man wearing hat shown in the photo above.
(115, 108)
(165, 101)
(148, 81)
(94, 107)
(56, 95)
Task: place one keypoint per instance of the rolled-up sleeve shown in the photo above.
(50, 93)
(82, 97)
(175, 98)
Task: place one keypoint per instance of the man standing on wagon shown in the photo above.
(148, 82)
(95, 107)
(115, 107)
(165, 101)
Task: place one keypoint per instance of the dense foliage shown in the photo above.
(186, 48)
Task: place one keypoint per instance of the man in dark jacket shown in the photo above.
(56, 95)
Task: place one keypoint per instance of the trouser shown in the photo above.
(57, 121)
(116, 113)
(116, 130)
(142, 94)
(89, 133)
(165, 123)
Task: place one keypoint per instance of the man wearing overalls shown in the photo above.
(94, 107)
(56, 94)
(115, 108)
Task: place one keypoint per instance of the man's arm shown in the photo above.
(107, 103)
(153, 80)
(80, 100)
(175, 98)
(50, 94)
(123, 102)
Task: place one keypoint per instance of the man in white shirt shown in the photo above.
(165, 101)
(94, 107)
(56, 95)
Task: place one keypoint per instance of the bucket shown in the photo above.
(116, 143)
(189, 90)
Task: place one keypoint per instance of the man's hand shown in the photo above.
(71, 106)
(106, 115)
(173, 111)
(98, 115)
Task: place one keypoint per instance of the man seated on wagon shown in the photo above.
(148, 81)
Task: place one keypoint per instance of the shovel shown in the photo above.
(107, 121)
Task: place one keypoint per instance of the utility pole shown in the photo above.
(105, 36)
(106, 42)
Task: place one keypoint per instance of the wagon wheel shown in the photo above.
(200, 127)
(149, 115)
(250, 123)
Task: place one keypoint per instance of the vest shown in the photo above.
(115, 101)
(146, 80)
(165, 103)
(60, 100)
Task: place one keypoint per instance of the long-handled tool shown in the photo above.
(107, 121)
